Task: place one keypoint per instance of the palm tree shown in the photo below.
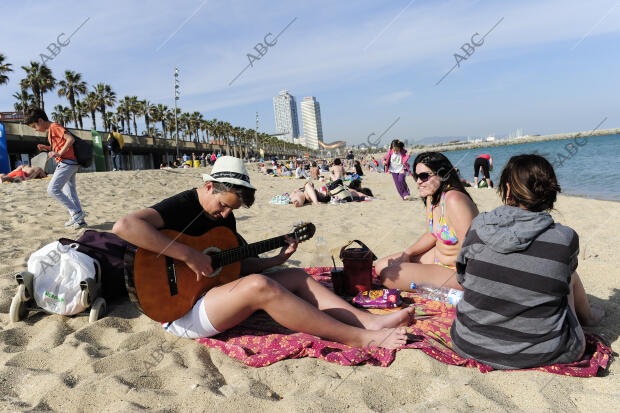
(147, 109)
(91, 105)
(40, 80)
(4, 68)
(153, 132)
(123, 109)
(81, 109)
(61, 114)
(24, 100)
(71, 87)
(109, 118)
(159, 114)
(134, 108)
(105, 98)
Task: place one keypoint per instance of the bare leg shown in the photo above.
(421, 270)
(304, 286)
(231, 303)
(588, 315)
(310, 193)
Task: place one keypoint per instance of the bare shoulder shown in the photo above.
(457, 199)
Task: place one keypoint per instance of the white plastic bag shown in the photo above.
(58, 270)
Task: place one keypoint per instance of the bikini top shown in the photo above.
(445, 234)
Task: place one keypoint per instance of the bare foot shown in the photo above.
(596, 315)
(400, 318)
(386, 338)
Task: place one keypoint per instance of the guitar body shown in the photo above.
(166, 289)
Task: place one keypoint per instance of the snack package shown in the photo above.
(386, 298)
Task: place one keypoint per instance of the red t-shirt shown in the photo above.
(56, 138)
(485, 156)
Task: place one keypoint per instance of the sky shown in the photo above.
(544, 66)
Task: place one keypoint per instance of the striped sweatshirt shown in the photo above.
(515, 267)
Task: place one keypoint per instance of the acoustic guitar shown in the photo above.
(165, 289)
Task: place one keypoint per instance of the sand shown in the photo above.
(65, 364)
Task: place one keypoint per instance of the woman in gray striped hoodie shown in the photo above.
(523, 303)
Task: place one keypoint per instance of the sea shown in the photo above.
(587, 167)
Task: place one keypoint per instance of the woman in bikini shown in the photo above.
(431, 259)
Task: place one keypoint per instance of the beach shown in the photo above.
(65, 364)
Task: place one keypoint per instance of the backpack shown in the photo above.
(109, 142)
(342, 193)
(83, 151)
(109, 249)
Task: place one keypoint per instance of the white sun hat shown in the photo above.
(230, 170)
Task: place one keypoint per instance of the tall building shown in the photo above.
(311, 119)
(285, 113)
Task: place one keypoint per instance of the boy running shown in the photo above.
(62, 186)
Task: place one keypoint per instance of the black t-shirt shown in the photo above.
(183, 213)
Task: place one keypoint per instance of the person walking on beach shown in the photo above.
(484, 162)
(395, 162)
(62, 187)
(289, 296)
(114, 144)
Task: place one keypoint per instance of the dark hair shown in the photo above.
(442, 167)
(114, 129)
(356, 184)
(366, 191)
(337, 161)
(245, 194)
(532, 182)
(313, 164)
(33, 114)
(397, 144)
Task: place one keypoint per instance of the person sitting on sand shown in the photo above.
(358, 168)
(524, 304)
(337, 170)
(300, 172)
(290, 296)
(23, 173)
(431, 259)
(314, 170)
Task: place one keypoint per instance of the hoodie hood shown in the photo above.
(508, 229)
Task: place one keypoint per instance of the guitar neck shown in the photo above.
(223, 258)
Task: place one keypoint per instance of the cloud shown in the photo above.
(394, 97)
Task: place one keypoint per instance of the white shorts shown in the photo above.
(194, 324)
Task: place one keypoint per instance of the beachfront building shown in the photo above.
(311, 120)
(285, 113)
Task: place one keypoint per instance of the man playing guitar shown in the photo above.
(289, 296)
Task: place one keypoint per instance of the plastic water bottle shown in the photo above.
(443, 294)
(321, 254)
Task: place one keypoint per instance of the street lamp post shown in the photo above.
(256, 132)
(176, 97)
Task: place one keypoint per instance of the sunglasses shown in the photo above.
(424, 176)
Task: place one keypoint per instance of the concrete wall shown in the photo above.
(139, 152)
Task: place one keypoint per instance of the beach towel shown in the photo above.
(283, 199)
(259, 341)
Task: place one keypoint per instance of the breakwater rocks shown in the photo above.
(456, 146)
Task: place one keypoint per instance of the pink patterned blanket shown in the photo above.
(260, 341)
